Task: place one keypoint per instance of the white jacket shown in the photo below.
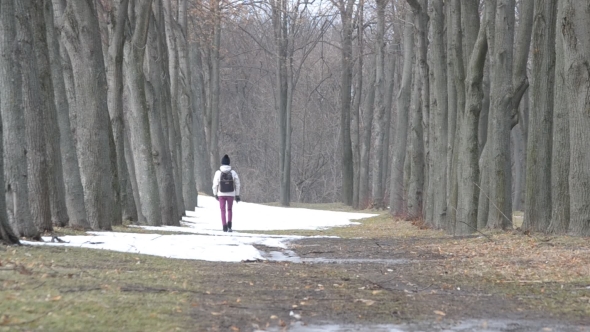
(225, 169)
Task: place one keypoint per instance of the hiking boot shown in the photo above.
(225, 228)
(229, 227)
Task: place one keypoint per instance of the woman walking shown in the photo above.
(226, 187)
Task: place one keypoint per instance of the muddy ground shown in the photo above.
(359, 284)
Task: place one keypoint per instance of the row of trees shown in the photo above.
(454, 112)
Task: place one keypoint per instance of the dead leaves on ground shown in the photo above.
(514, 258)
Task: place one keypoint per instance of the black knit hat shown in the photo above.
(225, 160)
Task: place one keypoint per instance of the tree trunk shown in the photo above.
(379, 113)
(7, 234)
(189, 187)
(401, 125)
(13, 124)
(416, 189)
(575, 30)
(59, 213)
(560, 156)
(502, 93)
(82, 40)
(355, 112)
(172, 112)
(203, 172)
(74, 192)
(390, 77)
(467, 202)
(154, 70)
(452, 105)
(132, 177)
(138, 119)
(416, 154)
(438, 147)
(367, 119)
(115, 102)
(345, 103)
(213, 112)
(537, 212)
(37, 169)
(518, 155)
(485, 160)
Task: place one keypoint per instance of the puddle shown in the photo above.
(469, 325)
(291, 256)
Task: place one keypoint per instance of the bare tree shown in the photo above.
(71, 171)
(118, 17)
(401, 123)
(378, 182)
(560, 155)
(439, 123)
(37, 171)
(7, 234)
(189, 187)
(138, 120)
(346, 9)
(416, 188)
(576, 47)
(502, 94)
(59, 215)
(466, 214)
(537, 215)
(13, 124)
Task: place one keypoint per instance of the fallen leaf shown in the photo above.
(367, 302)
(440, 313)
(233, 328)
(273, 317)
(216, 313)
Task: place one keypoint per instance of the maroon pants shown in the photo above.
(223, 201)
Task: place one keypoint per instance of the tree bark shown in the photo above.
(13, 124)
(438, 142)
(154, 71)
(213, 111)
(203, 172)
(346, 9)
(500, 216)
(7, 234)
(485, 159)
(59, 213)
(82, 40)
(575, 31)
(115, 102)
(379, 112)
(189, 187)
(37, 169)
(401, 125)
(355, 112)
(560, 156)
(172, 113)
(138, 118)
(416, 153)
(74, 192)
(466, 215)
(367, 120)
(537, 212)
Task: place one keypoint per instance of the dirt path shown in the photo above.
(366, 285)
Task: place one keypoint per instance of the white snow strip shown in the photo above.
(205, 239)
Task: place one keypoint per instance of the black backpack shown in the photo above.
(226, 182)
